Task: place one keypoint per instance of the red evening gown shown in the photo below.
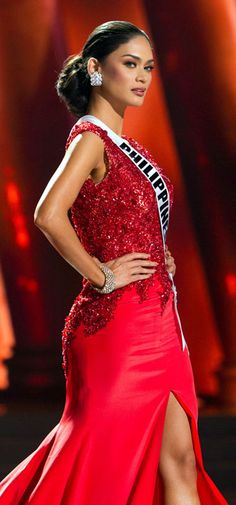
(123, 353)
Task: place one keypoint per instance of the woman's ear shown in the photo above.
(92, 65)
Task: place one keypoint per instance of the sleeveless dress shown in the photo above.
(123, 354)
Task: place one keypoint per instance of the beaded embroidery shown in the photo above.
(118, 215)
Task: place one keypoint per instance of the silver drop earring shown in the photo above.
(96, 79)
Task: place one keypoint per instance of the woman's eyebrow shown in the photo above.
(136, 57)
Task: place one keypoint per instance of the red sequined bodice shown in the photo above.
(118, 215)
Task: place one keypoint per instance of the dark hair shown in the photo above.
(73, 83)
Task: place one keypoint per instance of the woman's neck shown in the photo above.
(109, 116)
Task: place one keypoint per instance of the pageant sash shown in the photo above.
(157, 182)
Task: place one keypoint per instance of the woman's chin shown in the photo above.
(137, 103)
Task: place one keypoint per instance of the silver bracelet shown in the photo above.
(109, 285)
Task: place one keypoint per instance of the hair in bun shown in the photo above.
(73, 82)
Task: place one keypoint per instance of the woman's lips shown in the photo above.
(139, 92)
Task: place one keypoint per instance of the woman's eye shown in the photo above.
(150, 67)
(130, 62)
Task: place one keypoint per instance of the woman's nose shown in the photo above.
(141, 77)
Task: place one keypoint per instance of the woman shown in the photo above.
(128, 433)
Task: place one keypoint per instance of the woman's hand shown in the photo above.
(130, 267)
(170, 262)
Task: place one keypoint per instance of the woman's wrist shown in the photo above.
(109, 284)
(101, 284)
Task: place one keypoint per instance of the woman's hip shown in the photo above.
(138, 323)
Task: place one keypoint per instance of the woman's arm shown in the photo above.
(51, 212)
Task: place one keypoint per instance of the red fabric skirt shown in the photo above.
(105, 449)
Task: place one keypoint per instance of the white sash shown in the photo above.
(157, 182)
